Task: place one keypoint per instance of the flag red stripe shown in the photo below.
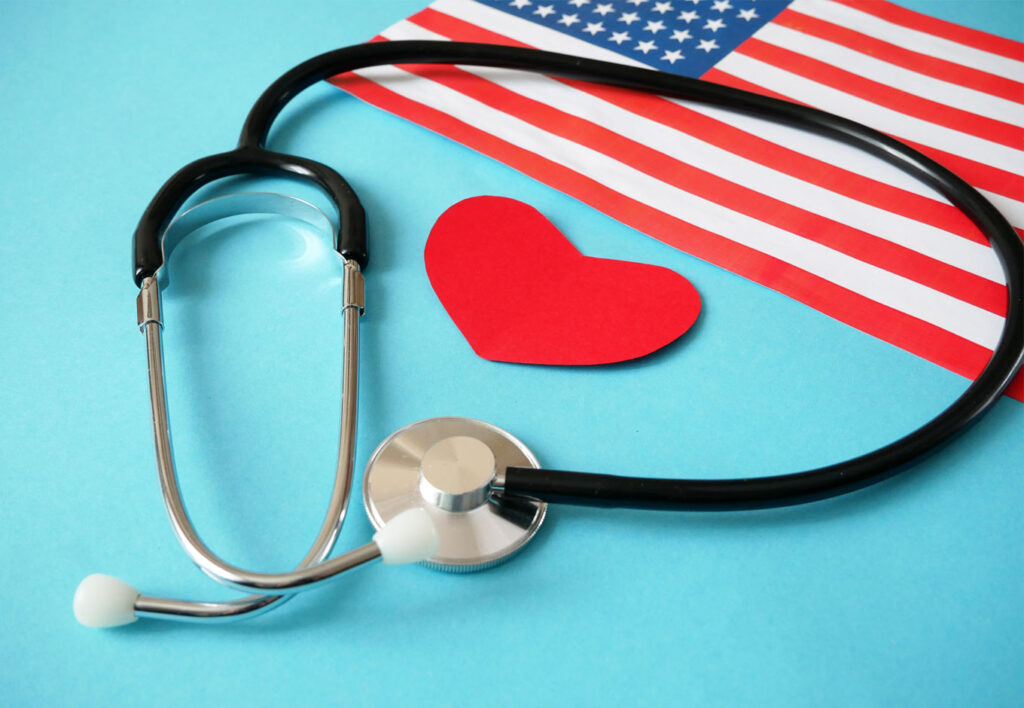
(782, 159)
(878, 93)
(836, 235)
(1016, 387)
(721, 134)
(940, 28)
(978, 174)
(720, 77)
(952, 72)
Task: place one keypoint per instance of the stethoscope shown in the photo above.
(455, 493)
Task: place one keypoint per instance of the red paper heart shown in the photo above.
(519, 291)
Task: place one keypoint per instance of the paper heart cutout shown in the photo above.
(519, 291)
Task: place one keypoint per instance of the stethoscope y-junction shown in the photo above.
(460, 494)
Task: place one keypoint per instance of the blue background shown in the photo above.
(907, 593)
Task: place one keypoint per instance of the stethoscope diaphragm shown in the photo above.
(449, 467)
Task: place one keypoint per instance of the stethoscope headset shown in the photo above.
(460, 494)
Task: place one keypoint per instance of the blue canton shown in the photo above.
(685, 37)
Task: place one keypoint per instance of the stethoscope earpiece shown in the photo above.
(105, 601)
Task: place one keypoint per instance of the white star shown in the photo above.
(594, 27)
(695, 2)
(707, 45)
(662, 7)
(714, 25)
(520, 4)
(604, 8)
(629, 17)
(645, 46)
(544, 10)
(721, 5)
(638, 3)
(579, 3)
(619, 37)
(688, 16)
(655, 27)
(569, 20)
(747, 14)
(673, 56)
(681, 35)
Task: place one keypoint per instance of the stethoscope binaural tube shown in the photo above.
(103, 601)
(251, 157)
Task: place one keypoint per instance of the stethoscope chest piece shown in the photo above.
(449, 467)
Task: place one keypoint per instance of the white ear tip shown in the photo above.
(408, 538)
(103, 601)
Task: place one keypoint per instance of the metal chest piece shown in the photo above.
(446, 466)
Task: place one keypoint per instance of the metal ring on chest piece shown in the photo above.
(446, 466)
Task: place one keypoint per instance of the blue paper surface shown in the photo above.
(908, 593)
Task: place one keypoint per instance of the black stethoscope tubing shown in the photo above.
(251, 157)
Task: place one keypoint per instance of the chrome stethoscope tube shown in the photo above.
(313, 570)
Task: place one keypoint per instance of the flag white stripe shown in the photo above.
(865, 65)
(846, 157)
(943, 246)
(1010, 208)
(885, 119)
(817, 147)
(922, 42)
(960, 318)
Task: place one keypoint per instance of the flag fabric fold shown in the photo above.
(818, 221)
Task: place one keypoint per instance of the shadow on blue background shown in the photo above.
(907, 593)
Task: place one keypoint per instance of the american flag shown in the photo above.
(817, 221)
